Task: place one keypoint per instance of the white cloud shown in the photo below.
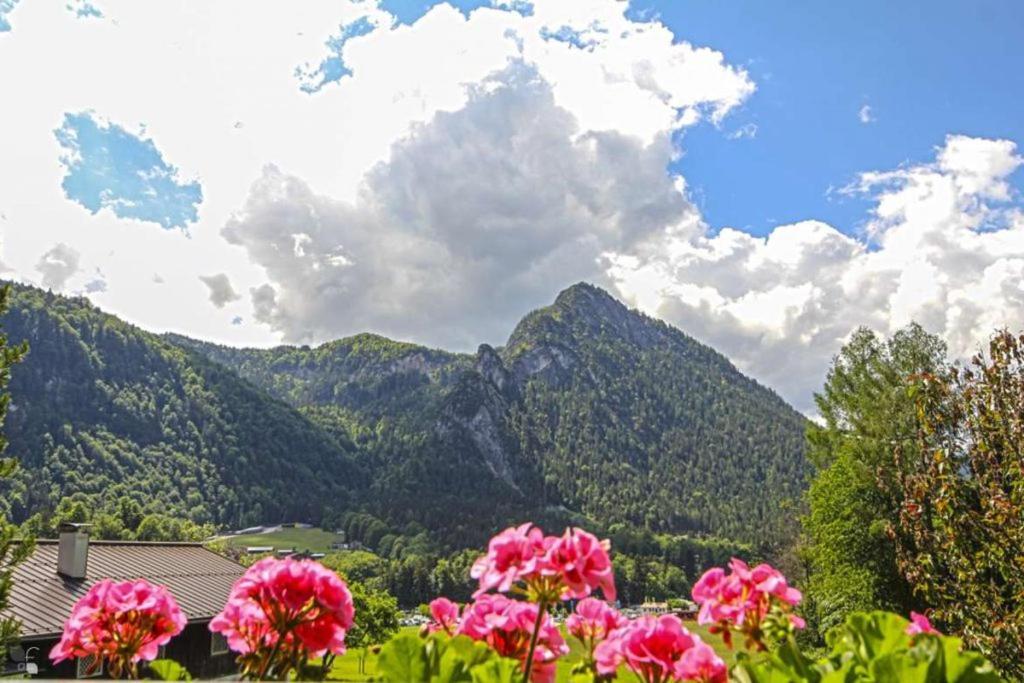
(476, 218)
(945, 248)
(461, 172)
(221, 291)
(222, 104)
(57, 266)
(866, 115)
(747, 130)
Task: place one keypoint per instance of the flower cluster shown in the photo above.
(545, 569)
(121, 623)
(444, 617)
(551, 568)
(507, 626)
(751, 601)
(659, 650)
(281, 612)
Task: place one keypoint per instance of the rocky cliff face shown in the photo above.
(477, 410)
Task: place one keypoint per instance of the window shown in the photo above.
(218, 644)
(83, 665)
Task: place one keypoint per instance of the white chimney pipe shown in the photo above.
(73, 550)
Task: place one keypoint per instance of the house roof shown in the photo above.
(199, 580)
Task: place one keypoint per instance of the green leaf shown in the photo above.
(498, 670)
(460, 656)
(168, 670)
(404, 658)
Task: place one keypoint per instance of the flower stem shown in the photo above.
(542, 606)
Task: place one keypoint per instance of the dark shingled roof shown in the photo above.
(199, 579)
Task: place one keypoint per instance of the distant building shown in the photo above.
(59, 572)
(259, 549)
(654, 608)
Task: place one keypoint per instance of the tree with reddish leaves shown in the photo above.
(960, 494)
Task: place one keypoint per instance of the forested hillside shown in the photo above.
(590, 409)
(104, 410)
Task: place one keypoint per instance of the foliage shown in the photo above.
(376, 620)
(115, 519)
(648, 566)
(168, 670)
(866, 408)
(960, 531)
(105, 410)
(13, 550)
(869, 647)
(440, 659)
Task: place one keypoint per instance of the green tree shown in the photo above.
(960, 532)
(359, 566)
(13, 550)
(866, 409)
(376, 620)
(164, 528)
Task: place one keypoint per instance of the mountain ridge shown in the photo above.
(590, 407)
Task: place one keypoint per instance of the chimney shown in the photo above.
(73, 550)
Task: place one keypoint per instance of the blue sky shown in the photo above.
(110, 167)
(765, 176)
(924, 69)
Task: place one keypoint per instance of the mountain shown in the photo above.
(101, 409)
(590, 409)
(591, 412)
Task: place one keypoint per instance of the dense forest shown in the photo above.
(104, 410)
(590, 413)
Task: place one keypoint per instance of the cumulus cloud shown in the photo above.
(221, 291)
(58, 265)
(477, 217)
(544, 144)
(865, 114)
(943, 246)
(449, 171)
(324, 92)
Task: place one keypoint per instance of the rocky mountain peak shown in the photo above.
(584, 312)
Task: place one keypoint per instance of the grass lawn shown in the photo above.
(346, 667)
(314, 540)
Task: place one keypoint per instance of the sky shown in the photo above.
(765, 176)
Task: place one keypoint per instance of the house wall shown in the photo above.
(190, 648)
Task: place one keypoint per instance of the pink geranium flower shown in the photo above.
(920, 624)
(570, 566)
(444, 616)
(512, 556)
(121, 623)
(285, 610)
(654, 649)
(701, 663)
(582, 564)
(742, 599)
(593, 620)
(507, 626)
